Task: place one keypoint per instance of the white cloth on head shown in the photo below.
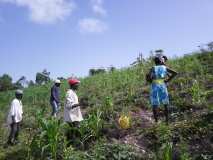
(16, 111)
(72, 115)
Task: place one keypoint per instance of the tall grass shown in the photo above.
(47, 139)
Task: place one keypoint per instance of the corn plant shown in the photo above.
(89, 128)
(95, 123)
(47, 138)
(196, 93)
(167, 151)
(51, 132)
(107, 108)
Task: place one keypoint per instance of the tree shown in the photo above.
(210, 46)
(93, 71)
(203, 48)
(6, 83)
(31, 83)
(43, 77)
(112, 69)
(22, 82)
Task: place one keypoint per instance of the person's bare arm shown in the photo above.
(149, 76)
(171, 74)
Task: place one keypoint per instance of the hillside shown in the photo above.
(107, 96)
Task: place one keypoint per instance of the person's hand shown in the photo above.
(166, 81)
(75, 105)
(59, 106)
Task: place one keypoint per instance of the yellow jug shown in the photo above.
(124, 122)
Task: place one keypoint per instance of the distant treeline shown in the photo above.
(6, 81)
(93, 71)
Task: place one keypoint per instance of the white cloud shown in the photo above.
(46, 11)
(97, 7)
(92, 25)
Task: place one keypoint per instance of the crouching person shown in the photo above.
(72, 111)
(15, 117)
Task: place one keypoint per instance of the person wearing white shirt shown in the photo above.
(72, 111)
(15, 117)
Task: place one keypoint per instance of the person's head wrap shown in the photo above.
(73, 81)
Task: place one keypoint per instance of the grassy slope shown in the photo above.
(127, 89)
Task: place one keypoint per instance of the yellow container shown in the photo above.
(124, 122)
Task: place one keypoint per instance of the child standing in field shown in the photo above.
(159, 75)
(15, 117)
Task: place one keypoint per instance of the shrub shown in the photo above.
(115, 151)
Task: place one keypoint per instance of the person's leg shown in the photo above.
(155, 113)
(155, 101)
(54, 108)
(12, 133)
(76, 124)
(57, 107)
(72, 132)
(164, 98)
(166, 113)
(68, 132)
(10, 138)
(17, 132)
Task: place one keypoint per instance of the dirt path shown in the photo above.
(147, 121)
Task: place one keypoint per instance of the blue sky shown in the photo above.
(71, 36)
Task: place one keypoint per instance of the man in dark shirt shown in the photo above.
(55, 97)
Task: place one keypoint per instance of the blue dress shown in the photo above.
(159, 94)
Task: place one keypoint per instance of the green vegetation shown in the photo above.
(6, 83)
(105, 97)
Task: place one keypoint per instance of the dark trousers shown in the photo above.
(14, 132)
(72, 133)
(166, 113)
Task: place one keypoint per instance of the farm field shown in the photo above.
(106, 97)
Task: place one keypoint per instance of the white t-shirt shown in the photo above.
(72, 115)
(16, 111)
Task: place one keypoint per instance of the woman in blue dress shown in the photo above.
(159, 76)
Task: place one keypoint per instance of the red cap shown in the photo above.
(73, 81)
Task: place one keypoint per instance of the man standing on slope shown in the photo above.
(55, 97)
(72, 111)
(15, 117)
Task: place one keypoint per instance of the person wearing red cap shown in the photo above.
(72, 111)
